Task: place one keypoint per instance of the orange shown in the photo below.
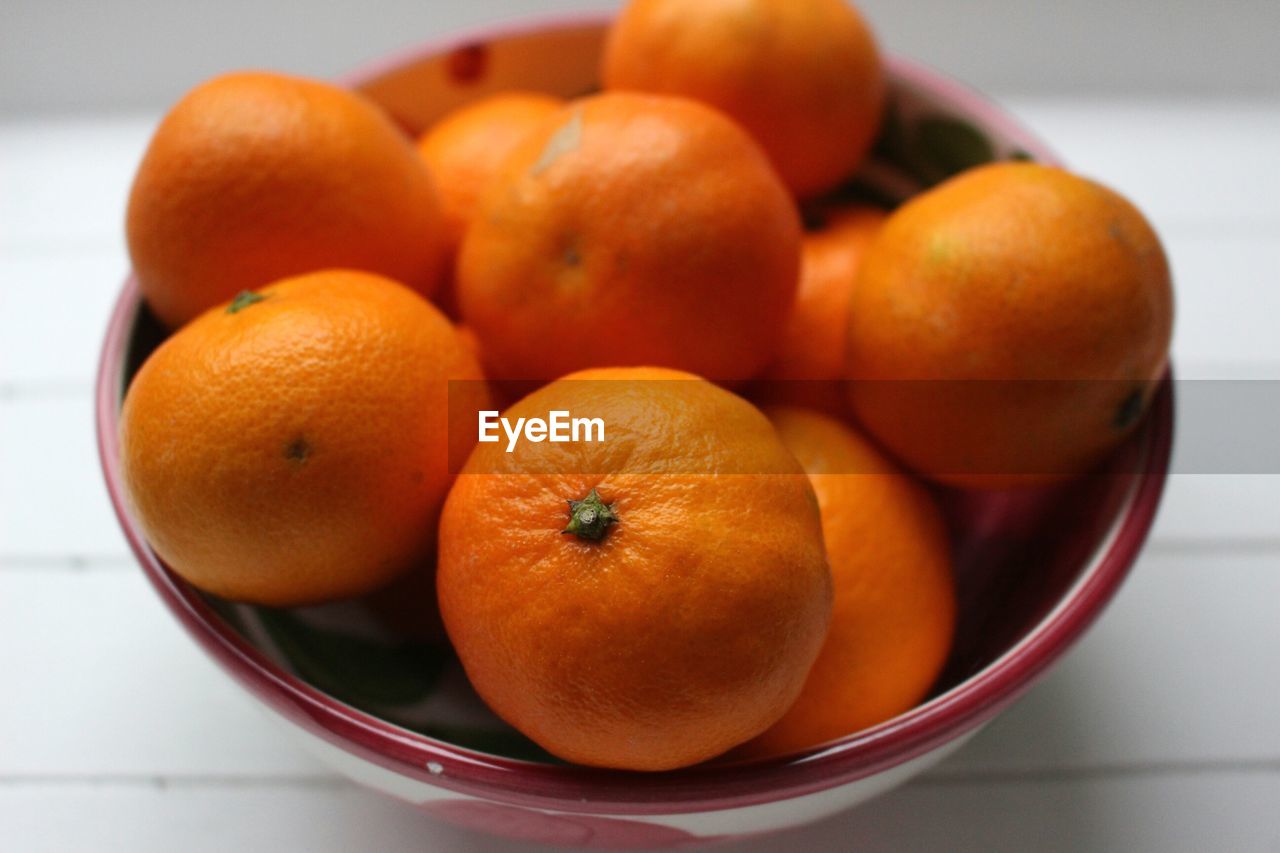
(252, 177)
(811, 362)
(1038, 309)
(803, 76)
(292, 446)
(631, 230)
(645, 602)
(465, 149)
(895, 604)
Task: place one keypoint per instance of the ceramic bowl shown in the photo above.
(382, 698)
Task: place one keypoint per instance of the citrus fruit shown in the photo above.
(465, 148)
(895, 604)
(293, 446)
(645, 602)
(1008, 326)
(252, 177)
(811, 361)
(631, 230)
(803, 76)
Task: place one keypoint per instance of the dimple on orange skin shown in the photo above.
(811, 362)
(631, 230)
(253, 177)
(1009, 275)
(894, 614)
(689, 627)
(295, 450)
(805, 77)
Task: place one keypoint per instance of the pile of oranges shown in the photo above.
(750, 561)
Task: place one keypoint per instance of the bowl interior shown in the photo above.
(1017, 554)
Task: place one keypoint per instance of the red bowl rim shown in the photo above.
(698, 789)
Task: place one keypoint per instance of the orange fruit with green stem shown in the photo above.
(293, 446)
(643, 602)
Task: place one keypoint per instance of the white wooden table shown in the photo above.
(1160, 731)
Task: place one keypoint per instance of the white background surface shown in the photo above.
(1160, 731)
(77, 54)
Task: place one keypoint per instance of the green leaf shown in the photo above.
(856, 191)
(891, 144)
(355, 670)
(506, 742)
(948, 146)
